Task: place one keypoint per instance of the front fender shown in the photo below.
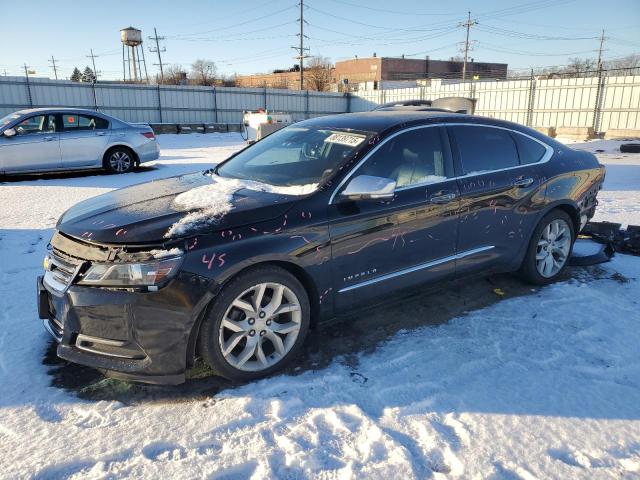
(302, 247)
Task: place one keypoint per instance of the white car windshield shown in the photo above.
(295, 155)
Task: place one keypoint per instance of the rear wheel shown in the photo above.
(257, 324)
(119, 160)
(549, 249)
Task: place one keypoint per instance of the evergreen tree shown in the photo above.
(88, 76)
(76, 76)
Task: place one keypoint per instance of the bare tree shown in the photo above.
(318, 74)
(174, 75)
(225, 80)
(630, 61)
(579, 66)
(203, 72)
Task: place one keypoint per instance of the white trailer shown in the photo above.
(253, 122)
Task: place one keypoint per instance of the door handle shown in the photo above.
(523, 182)
(100, 134)
(442, 198)
(48, 139)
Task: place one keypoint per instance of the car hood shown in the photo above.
(145, 213)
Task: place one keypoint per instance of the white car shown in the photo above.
(53, 139)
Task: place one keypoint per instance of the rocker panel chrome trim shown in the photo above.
(416, 268)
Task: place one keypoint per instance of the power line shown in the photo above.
(529, 36)
(522, 8)
(182, 35)
(383, 36)
(234, 36)
(488, 46)
(413, 29)
(396, 12)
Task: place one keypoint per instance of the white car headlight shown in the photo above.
(148, 274)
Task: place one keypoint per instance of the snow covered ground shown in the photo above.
(541, 385)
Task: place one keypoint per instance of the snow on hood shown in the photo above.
(161, 254)
(209, 203)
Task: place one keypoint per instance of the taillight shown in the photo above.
(149, 135)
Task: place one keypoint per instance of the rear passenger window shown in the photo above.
(483, 148)
(529, 150)
(69, 121)
(84, 122)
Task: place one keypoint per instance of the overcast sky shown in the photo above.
(256, 35)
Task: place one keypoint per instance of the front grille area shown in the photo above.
(60, 271)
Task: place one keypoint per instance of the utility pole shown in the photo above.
(597, 111)
(158, 51)
(53, 64)
(468, 24)
(600, 50)
(93, 62)
(26, 74)
(301, 44)
(301, 49)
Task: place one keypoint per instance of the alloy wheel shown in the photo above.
(553, 248)
(260, 327)
(120, 161)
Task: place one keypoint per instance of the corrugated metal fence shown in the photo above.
(600, 102)
(165, 104)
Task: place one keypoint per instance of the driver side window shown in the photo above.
(36, 124)
(411, 158)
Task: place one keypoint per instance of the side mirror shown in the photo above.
(368, 187)
(10, 132)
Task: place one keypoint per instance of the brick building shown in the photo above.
(375, 72)
(289, 79)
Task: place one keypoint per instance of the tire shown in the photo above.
(250, 349)
(630, 148)
(119, 160)
(541, 253)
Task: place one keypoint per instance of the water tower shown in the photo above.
(132, 55)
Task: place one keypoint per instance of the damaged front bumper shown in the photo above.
(131, 335)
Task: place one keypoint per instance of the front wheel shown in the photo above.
(549, 249)
(256, 325)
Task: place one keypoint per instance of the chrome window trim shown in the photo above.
(545, 158)
(416, 268)
(374, 150)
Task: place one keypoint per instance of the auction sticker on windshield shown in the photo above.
(345, 139)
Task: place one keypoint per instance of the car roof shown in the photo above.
(376, 121)
(382, 121)
(58, 109)
(379, 121)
